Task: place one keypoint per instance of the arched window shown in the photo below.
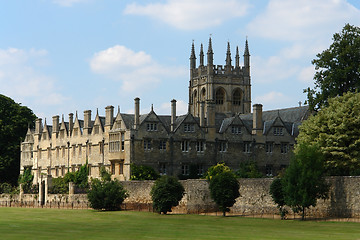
(203, 94)
(237, 97)
(194, 100)
(219, 96)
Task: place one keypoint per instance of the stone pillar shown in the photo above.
(38, 126)
(71, 188)
(87, 121)
(173, 114)
(109, 116)
(211, 119)
(55, 128)
(71, 123)
(257, 120)
(137, 113)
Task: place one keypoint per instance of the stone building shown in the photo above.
(219, 127)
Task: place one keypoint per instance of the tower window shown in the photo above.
(237, 97)
(219, 97)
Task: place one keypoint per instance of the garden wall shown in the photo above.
(344, 198)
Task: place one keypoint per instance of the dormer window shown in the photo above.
(278, 131)
(96, 129)
(189, 127)
(150, 127)
(236, 129)
(44, 136)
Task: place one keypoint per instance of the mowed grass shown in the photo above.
(26, 223)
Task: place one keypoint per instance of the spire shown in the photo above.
(247, 58)
(237, 57)
(246, 52)
(201, 55)
(210, 54)
(228, 55)
(192, 57)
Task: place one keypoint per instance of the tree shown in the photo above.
(106, 194)
(215, 170)
(166, 193)
(304, 182)
(26, 180)
(277, 194)
(338, 68)
(224, 189)
(336, 131)
(248, 169)
(14, 122)
(142, 172)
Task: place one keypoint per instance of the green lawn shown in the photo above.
(26, 223)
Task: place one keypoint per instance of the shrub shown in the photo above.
(7, 188)
(142, 172)
(26, 180)
(224, 189)
(81, 176)
(215, 170)
(166, 193)
(59, 186)
(248, 169)
(106, 195)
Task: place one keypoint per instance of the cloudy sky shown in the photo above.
(62, 56)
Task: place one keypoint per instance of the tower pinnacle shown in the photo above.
(192, 57)
(201, 55)
(228, 55)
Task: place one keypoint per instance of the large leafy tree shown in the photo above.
(224, 189)
(14, 122)
(303, 182)
(166, 193)
(337, 68)
(336, 131)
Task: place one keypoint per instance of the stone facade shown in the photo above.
(217, 128)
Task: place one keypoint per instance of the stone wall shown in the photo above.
(344, 198)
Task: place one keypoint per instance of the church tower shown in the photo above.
(225, 88)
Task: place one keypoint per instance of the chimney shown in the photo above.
(38, 126)
(137, 113)
(202, 114)
(87, 121)
(55, 127)
(71, 122)
(109, 117)
(257, 120)
(173, 114)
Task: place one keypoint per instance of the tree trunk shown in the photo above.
(303, 214)
(224, 213)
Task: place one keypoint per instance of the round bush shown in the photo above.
(166, 193)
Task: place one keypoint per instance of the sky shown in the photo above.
(62, 56)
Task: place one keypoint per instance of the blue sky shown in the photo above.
(62, 56)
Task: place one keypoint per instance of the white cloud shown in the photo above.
(20, 80)
(191, 14)
(68, 3)
(271, 98)
(307, 74)
(299, 20)
(136, 70)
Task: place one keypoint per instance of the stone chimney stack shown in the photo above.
(257, 120)
(202, 114)
(56, 124)
(71, 123)
(38, 126)
(173, 114)
(109, 117)
(87, 121)
(137, 113)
